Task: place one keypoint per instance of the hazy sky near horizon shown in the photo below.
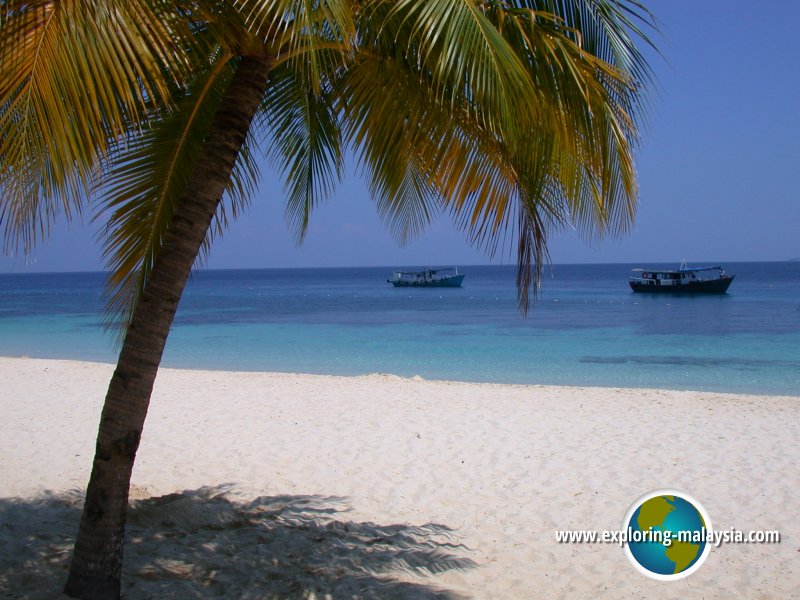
(716, 169)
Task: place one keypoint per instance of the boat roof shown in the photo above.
(424, 271)
(681, 270)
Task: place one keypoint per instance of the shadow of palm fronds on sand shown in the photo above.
(208, 543)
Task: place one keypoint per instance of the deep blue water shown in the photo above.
(587, 328)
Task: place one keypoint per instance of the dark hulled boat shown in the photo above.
(427, 278)
(686, 280)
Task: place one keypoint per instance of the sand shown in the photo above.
(260, 485)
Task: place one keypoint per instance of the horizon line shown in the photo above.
(197, 270)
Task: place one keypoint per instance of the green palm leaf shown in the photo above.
(394, 132)
(459, 53)
(431, 130)
(149, 174)
(307, 42)
(305, 140)
(75, 76)
(288, 29)
(606, 29)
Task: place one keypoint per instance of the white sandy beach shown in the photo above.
(378, 486)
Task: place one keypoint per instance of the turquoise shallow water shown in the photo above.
(588, 328)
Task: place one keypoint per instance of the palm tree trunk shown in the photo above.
(97, 559)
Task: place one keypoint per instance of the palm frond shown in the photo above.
(564, 159)
(306, 41)
(395, 133)
(291, 28)
(149, 174)
(455, 49)
(305, 141)
(76, 75)
(608, 29)
(532, 253)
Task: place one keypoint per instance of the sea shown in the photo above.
(587, 327)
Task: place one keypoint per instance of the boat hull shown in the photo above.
(712, 286)
(453, 281)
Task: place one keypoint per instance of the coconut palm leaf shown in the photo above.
(606, 29)
(390, 124)
(75, 76)
(403, 97)
(305, 29)
(149, 174)
(307, 42)
(564, 159)
(305, 140)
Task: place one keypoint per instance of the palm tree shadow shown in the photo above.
(207, 543)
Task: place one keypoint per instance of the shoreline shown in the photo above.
(112, 364)
(496, 467)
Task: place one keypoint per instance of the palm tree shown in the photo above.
(515, 117)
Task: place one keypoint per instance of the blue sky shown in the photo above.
(716, 168)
